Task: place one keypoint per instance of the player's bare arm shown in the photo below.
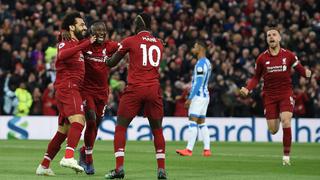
(114, 60)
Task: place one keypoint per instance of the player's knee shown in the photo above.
(286, 123)
(122, 121)
(155, 124)
(91, 115)
(63, 129)
(200, 120)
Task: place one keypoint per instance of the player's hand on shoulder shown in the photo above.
(308, 73)
(187, 103)
(244, 91)
(93, 39)
(106, 59)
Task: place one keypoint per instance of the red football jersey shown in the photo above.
(145, 53)
(96, 72)
(276, 72)
(70, 64)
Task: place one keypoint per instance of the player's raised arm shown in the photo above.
(115, 59)
(253, 82)
(117, 56)
(66, 52)
(300, 69)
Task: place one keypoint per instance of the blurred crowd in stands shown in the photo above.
(234, 30)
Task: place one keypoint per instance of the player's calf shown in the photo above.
(82, 157)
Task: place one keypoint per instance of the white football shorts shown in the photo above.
(198, 107)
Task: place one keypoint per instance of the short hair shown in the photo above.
(202, 43)
(273, 28)
(69, 20)
(144, 20)
(97, 22)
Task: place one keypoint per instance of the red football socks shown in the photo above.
(89, 139)
(74, 135)
(286, 141)
(159, 144)
(119, 144)
(53, 148)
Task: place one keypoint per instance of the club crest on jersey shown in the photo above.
(89, 52)
(268, 62)
(284, 61)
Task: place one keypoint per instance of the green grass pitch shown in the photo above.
(20, 158)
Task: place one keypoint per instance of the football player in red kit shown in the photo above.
(274, 66)
(143, 90)
(95, 89)
(70, 75)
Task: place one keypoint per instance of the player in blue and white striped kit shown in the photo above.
(198, 101)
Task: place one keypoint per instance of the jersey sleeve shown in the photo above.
(114, 46)
(124, 46)
(295, 63)
(66, 50)
(199, 76)
(253, 82)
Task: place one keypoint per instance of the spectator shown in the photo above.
(24, 100)
(301, 98)
(10, 99)
(36, 108)
(49, 103)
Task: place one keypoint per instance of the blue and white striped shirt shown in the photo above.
(200, 78)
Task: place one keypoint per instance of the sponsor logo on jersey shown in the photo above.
(268, 62)
(276, 68)
(95, 59)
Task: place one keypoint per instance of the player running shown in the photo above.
(95, 90)
(143, 90)
(198, 102)
(70, 75)
(274, 66)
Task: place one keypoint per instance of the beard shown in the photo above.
(80, 34)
